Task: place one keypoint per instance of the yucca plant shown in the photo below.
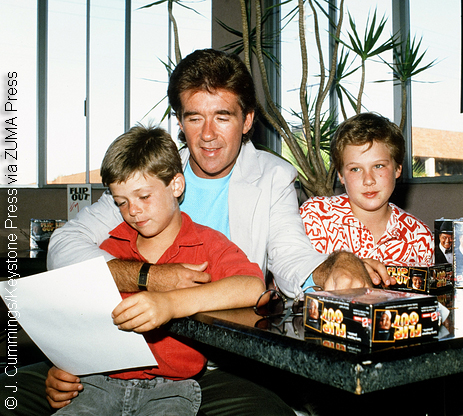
(309, 150)
(407, 60)
(308, 144)
(367, 49)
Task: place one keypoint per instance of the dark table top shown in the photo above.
(348, 366)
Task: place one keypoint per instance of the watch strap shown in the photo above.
(143, 276)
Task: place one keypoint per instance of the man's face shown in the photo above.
(446, 240)
(385, 322)
(417, 282)
(313, 310)
(213, 125)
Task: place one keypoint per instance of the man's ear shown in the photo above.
(248, 121)
(180, 123)
(178, 185)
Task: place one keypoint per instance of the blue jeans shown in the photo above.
(223, 394)
(104, 395)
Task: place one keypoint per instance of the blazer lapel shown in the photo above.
(243, 197)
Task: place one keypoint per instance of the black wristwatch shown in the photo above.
(143, 276)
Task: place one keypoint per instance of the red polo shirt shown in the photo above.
(194, 244)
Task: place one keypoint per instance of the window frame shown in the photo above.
(401, 25)
(400, 22)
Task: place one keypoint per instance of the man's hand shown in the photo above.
(161, 277)
(61, 387)
(143, 311)
(165, 277)
(378, 273)
(342, 270)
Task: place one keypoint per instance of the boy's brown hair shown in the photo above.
(367, 128)
(148, 150)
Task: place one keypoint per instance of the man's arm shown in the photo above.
(291, 255)
(80, 238)
(342, 270)
(161, 277)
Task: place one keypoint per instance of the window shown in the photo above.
(96, 87)
(66, 91)
(436, 137)
(19, 49)
(378, 97)
(437, 129)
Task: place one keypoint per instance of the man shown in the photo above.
(213, 97)
(246, 194)
(443, 252)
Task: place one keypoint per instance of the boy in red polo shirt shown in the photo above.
(143, 171)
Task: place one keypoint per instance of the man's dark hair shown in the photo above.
(210, 70)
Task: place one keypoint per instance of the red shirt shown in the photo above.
(331, 225)
(194, 244)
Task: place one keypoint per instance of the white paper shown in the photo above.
(67, 313)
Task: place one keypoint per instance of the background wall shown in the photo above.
(33, 203)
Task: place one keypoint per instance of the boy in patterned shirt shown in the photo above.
(367, 151)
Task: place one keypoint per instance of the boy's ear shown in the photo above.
(398, 171)
(341, 179)
(178, 185)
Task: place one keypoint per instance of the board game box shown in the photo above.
(432, 279)
(372, 316)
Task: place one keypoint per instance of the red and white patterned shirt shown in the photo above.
(331, 225)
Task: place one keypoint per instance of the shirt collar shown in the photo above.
(187, 235)
(393, 229)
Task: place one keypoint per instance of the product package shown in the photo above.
(448, 239)
(458, 252)
(434, 279)
(372, 316)
(40, 233)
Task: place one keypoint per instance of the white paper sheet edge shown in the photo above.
(67, 313)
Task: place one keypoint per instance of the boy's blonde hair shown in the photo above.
(147, 150)
(367, 128)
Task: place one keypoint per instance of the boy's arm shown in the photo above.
(148, 310)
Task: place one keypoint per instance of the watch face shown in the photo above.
(142, 279)
(143, 276)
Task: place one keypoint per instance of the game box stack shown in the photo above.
(41, 231)
(433, 280)
(372, 316)
(448, 239)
